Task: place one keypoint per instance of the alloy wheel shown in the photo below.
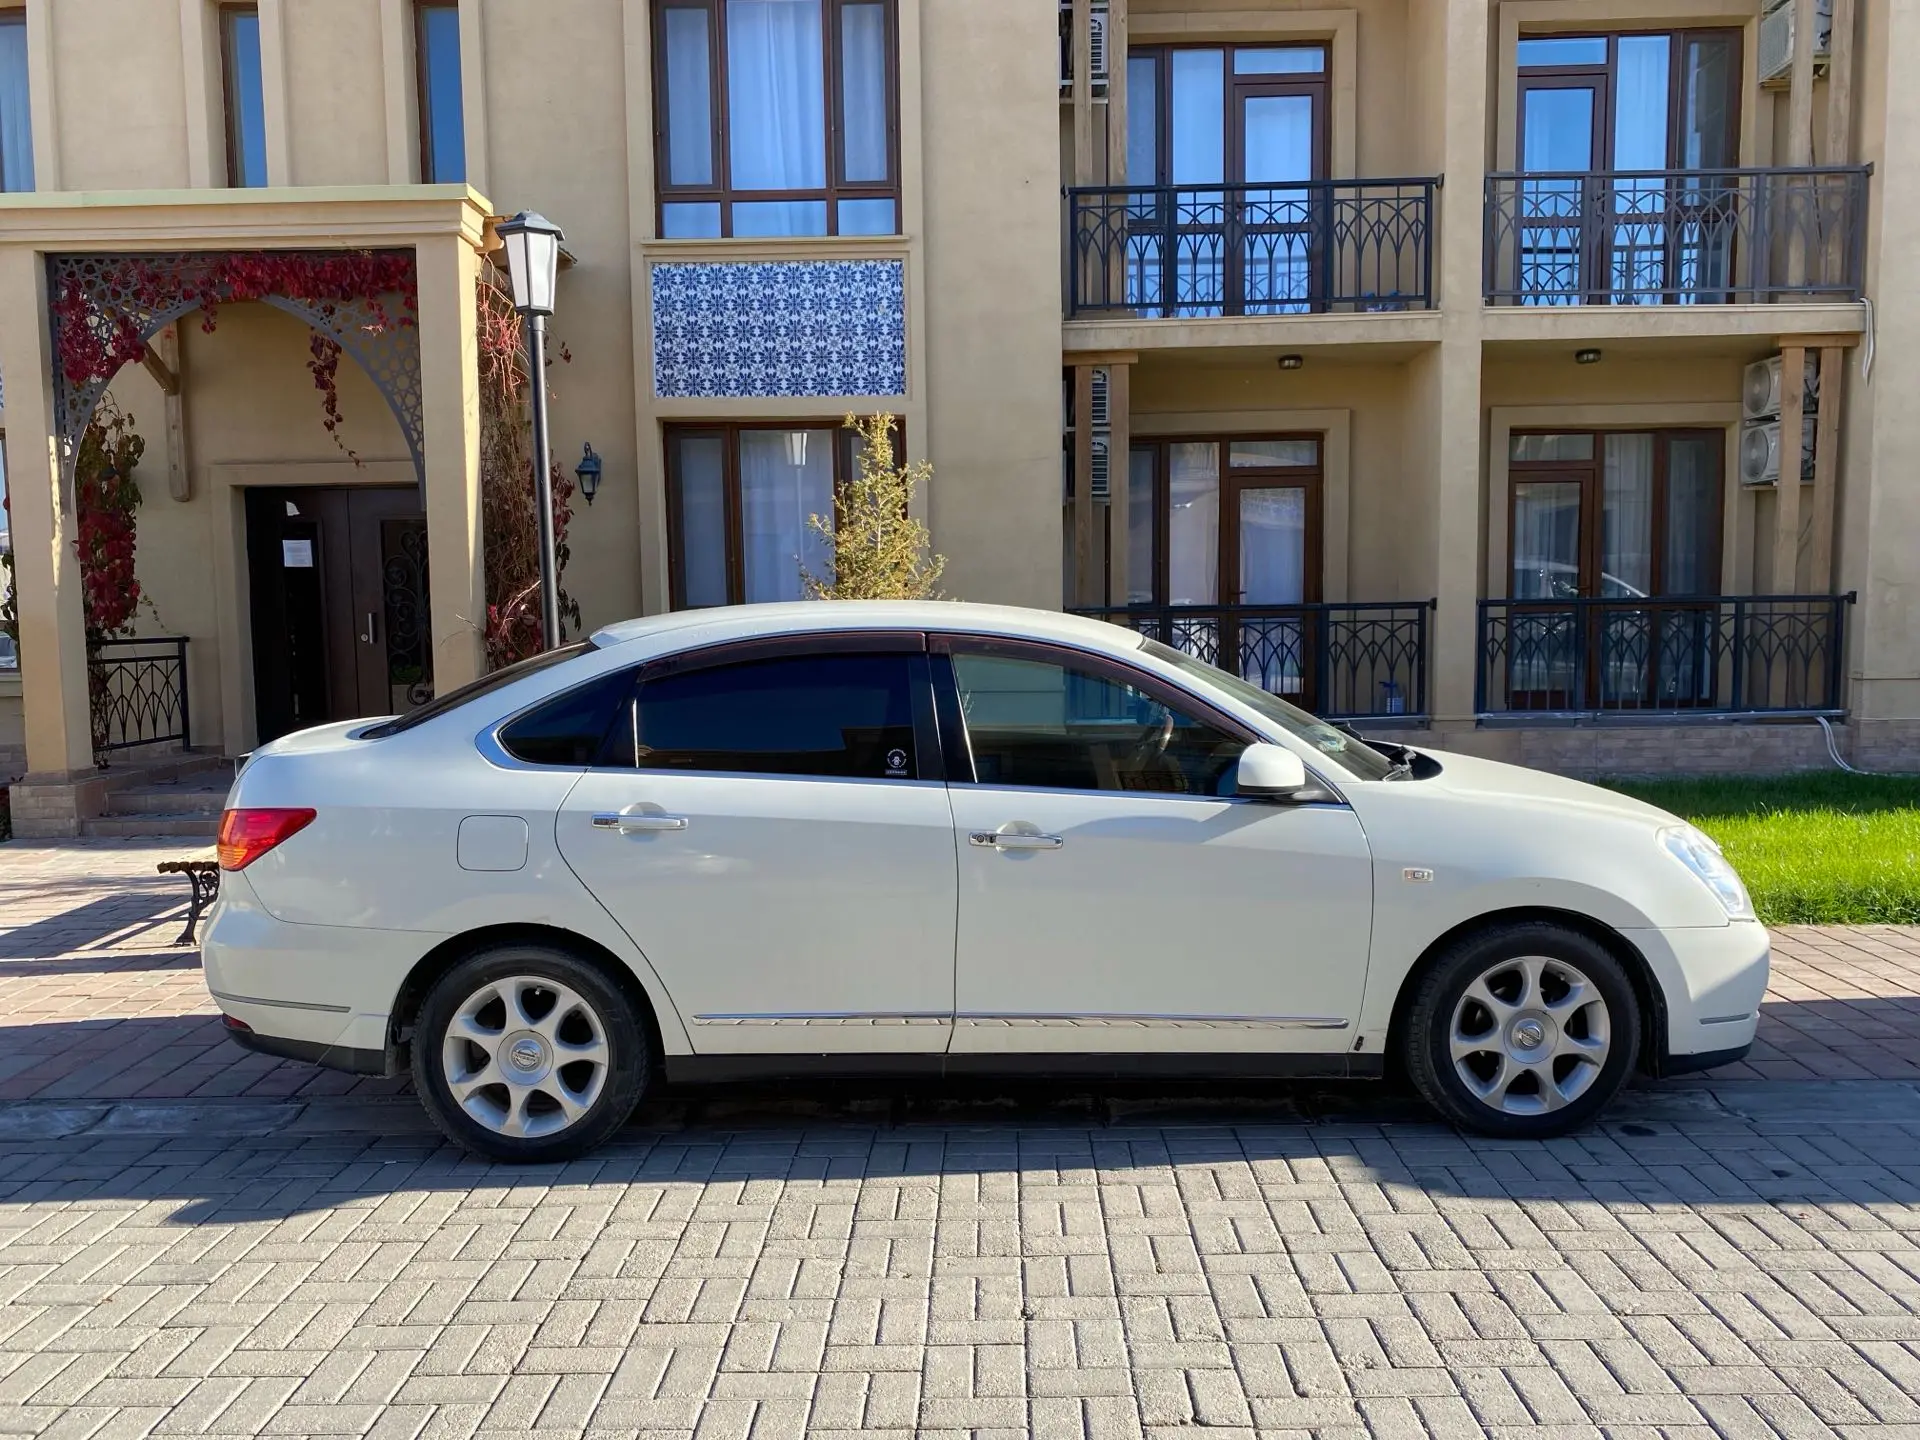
(1530, 1035)
(525, 1056)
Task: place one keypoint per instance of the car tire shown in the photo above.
(527, 1053)
(1522, 1031)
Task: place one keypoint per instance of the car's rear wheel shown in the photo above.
(1523, 1031)
(527, 1053)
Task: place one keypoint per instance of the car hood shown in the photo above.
(1469, 775)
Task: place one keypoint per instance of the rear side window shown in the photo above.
(486, 684)
(845, 716)
(570, 728)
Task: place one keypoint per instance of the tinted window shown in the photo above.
(453, 699)
(570, 728)
(836, 715)
(1039, 723)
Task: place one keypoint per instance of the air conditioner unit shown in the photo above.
(1760, 454)
(1097, 20)
(1102, 434)
(1760, 388)
(1776, 39)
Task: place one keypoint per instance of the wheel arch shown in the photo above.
(428, 970)
(1653, 1007)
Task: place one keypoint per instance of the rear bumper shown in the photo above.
(334, 1057)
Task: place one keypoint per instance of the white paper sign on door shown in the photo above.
(296, 554)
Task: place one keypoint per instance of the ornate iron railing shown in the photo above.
(1341, 661)
(1685, 237)
(1159, 251)
(1704, 655)
(139, 693)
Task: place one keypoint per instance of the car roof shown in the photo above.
(743, 622)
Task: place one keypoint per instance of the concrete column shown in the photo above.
(1445, 387)
(1880, 498)
(53, 638)
(450, 385)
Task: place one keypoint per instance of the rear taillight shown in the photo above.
(246, 835)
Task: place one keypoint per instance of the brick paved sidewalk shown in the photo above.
(97, 1002)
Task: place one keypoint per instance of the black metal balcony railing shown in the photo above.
(1341, 661)
(139, 693)
(1705, 655)
(1686, 237)
(1160, 251)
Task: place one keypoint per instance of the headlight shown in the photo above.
(1700, 855)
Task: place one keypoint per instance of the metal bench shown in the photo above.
(204, 876)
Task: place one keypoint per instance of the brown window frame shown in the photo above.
(728, 433)
(1312, 478)
(720, 191)
(425, 123)
(1591, 475)
(1570, 77)
(1233, 90)
(228, 13)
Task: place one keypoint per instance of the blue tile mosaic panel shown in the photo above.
(800, 327)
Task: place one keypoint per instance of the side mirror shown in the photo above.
(1270, 772)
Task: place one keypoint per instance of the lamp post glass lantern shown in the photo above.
(532, 243)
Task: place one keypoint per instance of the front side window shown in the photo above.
(443, 140)
(776, 117)
(16, 120)
(842, 716)
(1039, 722)
(246, 105)
(742, 500)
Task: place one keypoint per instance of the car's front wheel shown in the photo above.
(527, 1053)
(1523, 1031)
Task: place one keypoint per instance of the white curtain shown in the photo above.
(16, 126)
(1692, 538)
(703, 519)
(1140, 512)
(1273, 546)
(1546, 539)
(777, 113)
(689, 98)
(1193, 532)
(863, 90)
(1626, 519)
(785, 477)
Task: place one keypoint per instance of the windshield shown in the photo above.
(1353, 755)
(453, 699)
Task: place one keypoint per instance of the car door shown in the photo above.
(1115, 895)
(771, 828)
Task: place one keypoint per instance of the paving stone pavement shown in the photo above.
(1719, 1279)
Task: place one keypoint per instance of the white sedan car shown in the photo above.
(942, 838)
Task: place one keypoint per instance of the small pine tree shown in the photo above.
(880, 552)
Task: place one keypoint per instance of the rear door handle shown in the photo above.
(1014, 840)
(629, 821)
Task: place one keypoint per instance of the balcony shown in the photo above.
(1306, 247)
(1712, 655)
(1676, 237)
(1363, 661)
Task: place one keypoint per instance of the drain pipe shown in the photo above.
(1833, 749)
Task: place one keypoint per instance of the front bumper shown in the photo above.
(1712, 980)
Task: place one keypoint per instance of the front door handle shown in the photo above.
(629, 821)
(1014, 840)
(371, 634)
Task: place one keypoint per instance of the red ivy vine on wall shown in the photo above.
(95, 340)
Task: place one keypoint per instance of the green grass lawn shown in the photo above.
(1824, 848)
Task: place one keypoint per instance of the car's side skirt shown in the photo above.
(721, 1069)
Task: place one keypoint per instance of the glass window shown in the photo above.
(1193, 523)
(1283, 60)
(1041, 723)
(845, 716)
(1561, 51)
(802, 94)
(1692, 563)
(1143, 119)
(1256, 454)
(1626, 518)
(1142, 505)
(570, 728)
(246, 106)
(16, 122)
(443, 139)
(1551, 447)
(743, 501)
(1199, 148)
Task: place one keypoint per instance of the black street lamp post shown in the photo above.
(533, 264)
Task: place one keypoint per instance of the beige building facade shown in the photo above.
(1395, 354)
